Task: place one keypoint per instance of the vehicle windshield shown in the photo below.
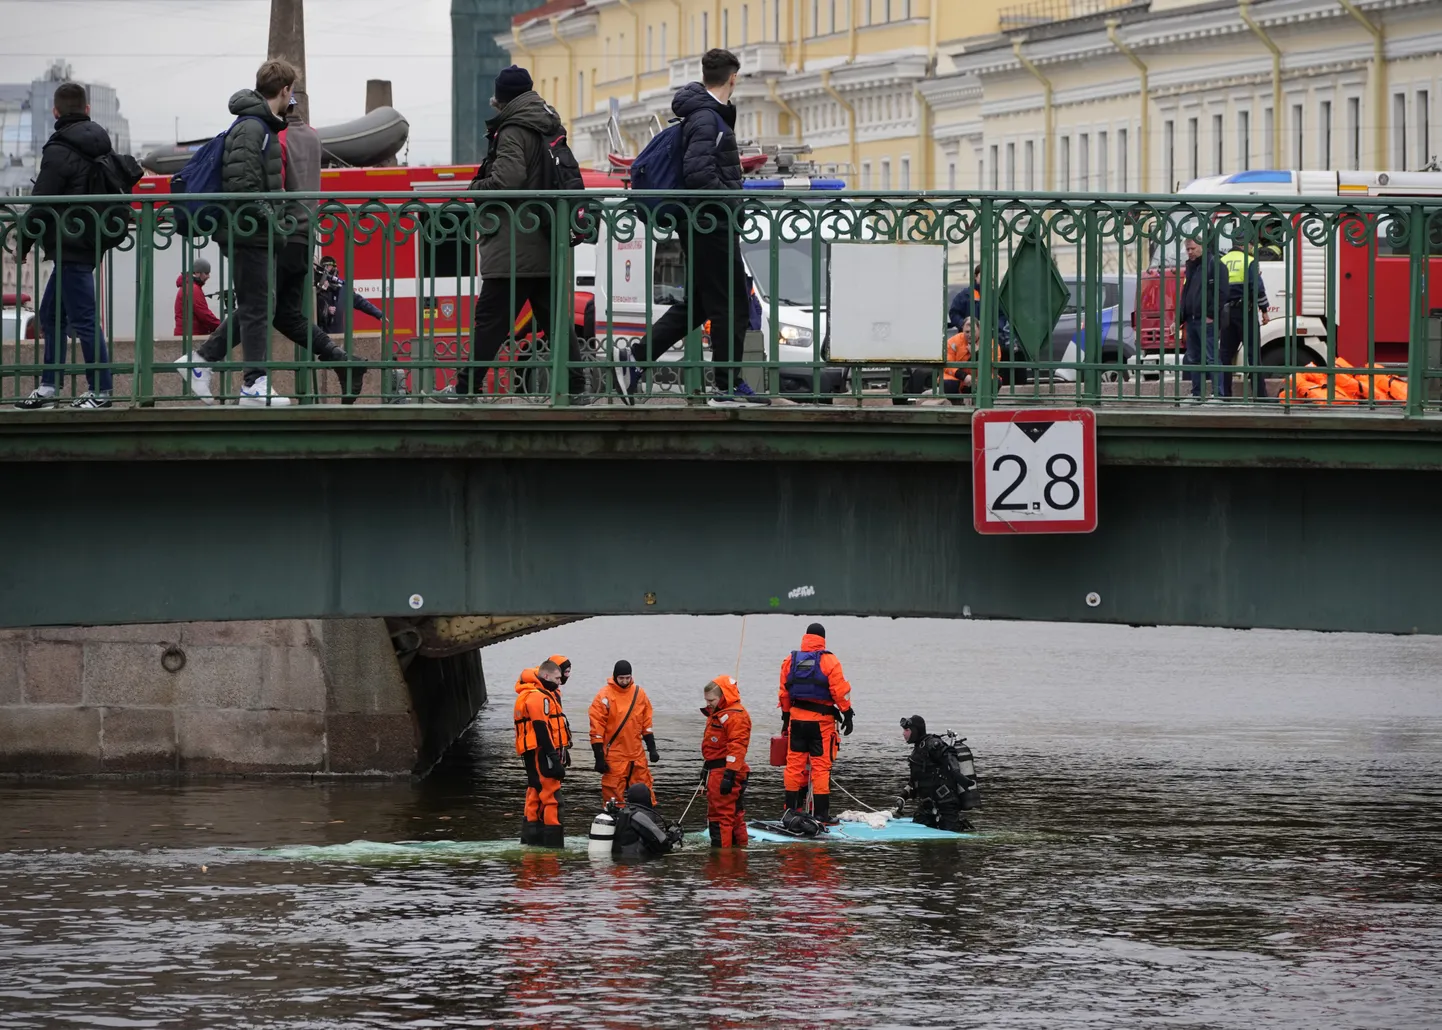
(793, 270)
(1111, 294)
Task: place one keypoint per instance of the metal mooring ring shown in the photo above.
(172, 659)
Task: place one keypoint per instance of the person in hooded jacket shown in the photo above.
(813, 698)
(934, 783)
(622, 736)
(723, 751)
(543, 740)
(202, 321)
(711, 161)
(250, 235)
(65, 163)
(641, 833)
(516, 256)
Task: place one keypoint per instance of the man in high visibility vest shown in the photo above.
(1246, 297)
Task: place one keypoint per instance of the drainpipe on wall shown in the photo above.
(570, 71)
(1379, 79)
(1048, 144)
(1244, 8)
(850, 119)
(776, 99)
(636, 64)
(1145, 143)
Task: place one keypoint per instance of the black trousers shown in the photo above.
(292, 280)
(718, 294)
(1238, 327)
(495, 320)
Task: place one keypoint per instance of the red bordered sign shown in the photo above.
(1034, 470)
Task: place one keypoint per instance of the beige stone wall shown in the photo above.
(251, 697)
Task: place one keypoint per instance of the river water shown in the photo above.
(1181, 828)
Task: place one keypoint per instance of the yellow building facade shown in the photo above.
(1065, 95)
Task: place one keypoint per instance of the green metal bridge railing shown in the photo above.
(1355, 320)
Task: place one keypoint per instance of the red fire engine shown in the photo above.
(1371, 304)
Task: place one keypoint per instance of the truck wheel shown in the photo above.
(1275, 353)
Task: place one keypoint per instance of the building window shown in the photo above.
(1123, 184)
(606, 58)
(1194, 164)
(866, 175)
(886, 173)
(1011, 166)
(650, 47)
(866, 6)
(1169, 140)
(1424, 133)
(980, 173)
(726, 28)
(816, 17)
(1218, 152)
(1399, 131)
(1029, 156)
(906, 173)
(705, 31)
(951, 176)
(1244, 139)
(1299, 155)
(886, 10)
(1103, 163)
(663, 42)
(1269, 136)
(776, 21)
(1084, 162)
(580, 92)
(1354, 133)
(995, 168)
(1064, 160)
(1324, 136)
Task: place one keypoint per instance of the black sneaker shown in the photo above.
(352, 382)
(41, 398)
(91, 401)
(741, 395)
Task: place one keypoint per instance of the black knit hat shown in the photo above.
(623, 668)
(816, 629)
(512, 82)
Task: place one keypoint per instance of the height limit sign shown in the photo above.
(1034, 471)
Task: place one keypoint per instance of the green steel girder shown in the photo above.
(1161, 436)
(1217, 543)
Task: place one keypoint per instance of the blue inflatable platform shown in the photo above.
(895, 830)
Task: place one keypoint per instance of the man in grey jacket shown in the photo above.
(516, 258)
(252, 164)
(301, 152)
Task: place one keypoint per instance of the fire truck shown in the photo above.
(1371, 303)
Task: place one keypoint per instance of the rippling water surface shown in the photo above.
(1182, 828)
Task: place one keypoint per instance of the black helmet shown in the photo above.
(916, 724)
(638, 794)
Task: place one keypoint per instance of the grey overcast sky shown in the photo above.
(182, 59)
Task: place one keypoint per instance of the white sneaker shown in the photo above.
(258, 395)
(194, 369)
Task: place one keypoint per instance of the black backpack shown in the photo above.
(561, 171)
(107, 174)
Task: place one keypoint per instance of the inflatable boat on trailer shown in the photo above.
(772, 831)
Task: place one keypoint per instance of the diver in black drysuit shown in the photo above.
(940, 788)
(641, 833)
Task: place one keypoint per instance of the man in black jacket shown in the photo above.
(65, 164)
(711, 161)
(250, 237)
(1197, 312)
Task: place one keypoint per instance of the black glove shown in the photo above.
(846, 717)
(906, 793)
(651, 752)
(553, 766)
(785, 722)
(705, 775)
(728, 781)
(601, 766)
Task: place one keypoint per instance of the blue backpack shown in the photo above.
(658, 167)
(201, 174)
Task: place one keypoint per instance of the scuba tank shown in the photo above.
(961, 767)
(603, 832)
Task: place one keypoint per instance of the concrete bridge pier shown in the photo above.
(300, 696)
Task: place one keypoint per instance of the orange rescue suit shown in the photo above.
(724, 746)
(543, 738)
(622, 737)
(814, 741)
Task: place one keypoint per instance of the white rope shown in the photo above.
(853, 797)
(682, 820)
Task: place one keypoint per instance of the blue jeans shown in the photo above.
(77, 297)
(1196, 330)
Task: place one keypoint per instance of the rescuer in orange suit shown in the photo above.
(620, 727)
(543, 740)
(724, 746)
(814, 696)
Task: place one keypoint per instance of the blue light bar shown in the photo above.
(800, 183)
(1259, 176)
